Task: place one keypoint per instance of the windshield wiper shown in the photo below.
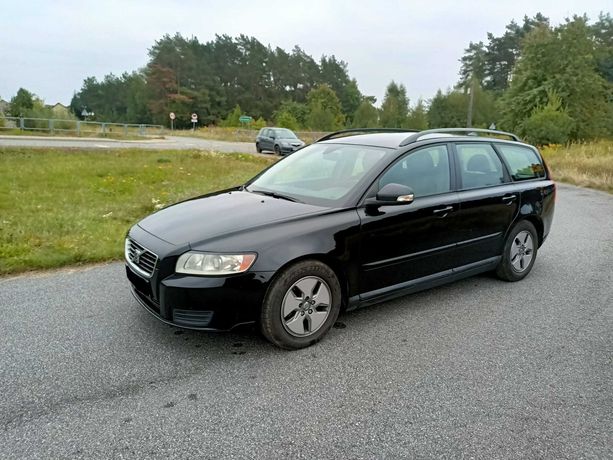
(275, 195)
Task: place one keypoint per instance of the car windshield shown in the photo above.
(285, 134)
(320, 174)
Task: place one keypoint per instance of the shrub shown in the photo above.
(548, 124)
(232, 120)
(286, 120)
(259, 123)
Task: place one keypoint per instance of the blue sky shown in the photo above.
(50, 47)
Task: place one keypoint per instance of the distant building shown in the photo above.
(59, 110)
(59, 105)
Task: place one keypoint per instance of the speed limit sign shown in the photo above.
(172, 115)
(194, 118)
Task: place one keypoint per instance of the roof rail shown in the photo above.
(365, 130)
(415, 137)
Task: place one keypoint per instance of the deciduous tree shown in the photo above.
(395, 106)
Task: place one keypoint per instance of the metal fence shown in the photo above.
(78, 127)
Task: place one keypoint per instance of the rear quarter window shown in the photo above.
(523, 162)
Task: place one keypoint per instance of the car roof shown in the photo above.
(389, 140)
(394, 139)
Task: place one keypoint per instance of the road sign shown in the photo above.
(172, 120)
(245, 119)
(194, 118)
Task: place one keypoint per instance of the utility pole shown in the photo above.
(471, 100)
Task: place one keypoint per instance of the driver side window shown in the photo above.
(426, 171)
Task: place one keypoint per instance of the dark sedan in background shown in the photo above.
(278, 140)
(351, 220)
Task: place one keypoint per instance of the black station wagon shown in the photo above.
(356, 218)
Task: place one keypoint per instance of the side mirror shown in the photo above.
(273, 136)
(392, 195)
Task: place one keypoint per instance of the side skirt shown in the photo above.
(423, 283)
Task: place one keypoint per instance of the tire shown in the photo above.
(257, 148)
(277, 149)
(519, 254)
(301, 305)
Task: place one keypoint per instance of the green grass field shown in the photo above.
(62, 207)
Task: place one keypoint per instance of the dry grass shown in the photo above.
(586, 165)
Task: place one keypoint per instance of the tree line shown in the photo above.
(550, 84)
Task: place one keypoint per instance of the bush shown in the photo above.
(232, 120)
(549, 124)
(287, 120)
(259, 123)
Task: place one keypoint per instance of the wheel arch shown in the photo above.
(336, 266)
(538, 225)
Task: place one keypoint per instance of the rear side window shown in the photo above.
(479, 166)
(523, 162)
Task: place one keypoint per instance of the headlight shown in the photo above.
(201, 263)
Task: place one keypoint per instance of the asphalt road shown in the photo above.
(479, 368)
(170, 142)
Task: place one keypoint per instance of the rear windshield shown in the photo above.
(523, 162)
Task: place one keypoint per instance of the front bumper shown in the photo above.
(201, 303)
(289, 149)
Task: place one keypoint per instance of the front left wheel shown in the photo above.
(301, 305)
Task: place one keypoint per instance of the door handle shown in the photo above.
(443, 211)
(508, 199)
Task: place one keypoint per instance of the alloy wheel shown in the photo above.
(522, 251)
(306, 306)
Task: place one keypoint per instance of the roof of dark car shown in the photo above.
(389, 140)
(393, 140)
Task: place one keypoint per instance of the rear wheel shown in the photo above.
(301, 305)
(277, 149)
(519, 254)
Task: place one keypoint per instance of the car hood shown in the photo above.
(198, 219)
(289, 139)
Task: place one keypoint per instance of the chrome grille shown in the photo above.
(141, 259)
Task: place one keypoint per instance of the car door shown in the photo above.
(404, 243)
(488, 201)
(265, 142)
